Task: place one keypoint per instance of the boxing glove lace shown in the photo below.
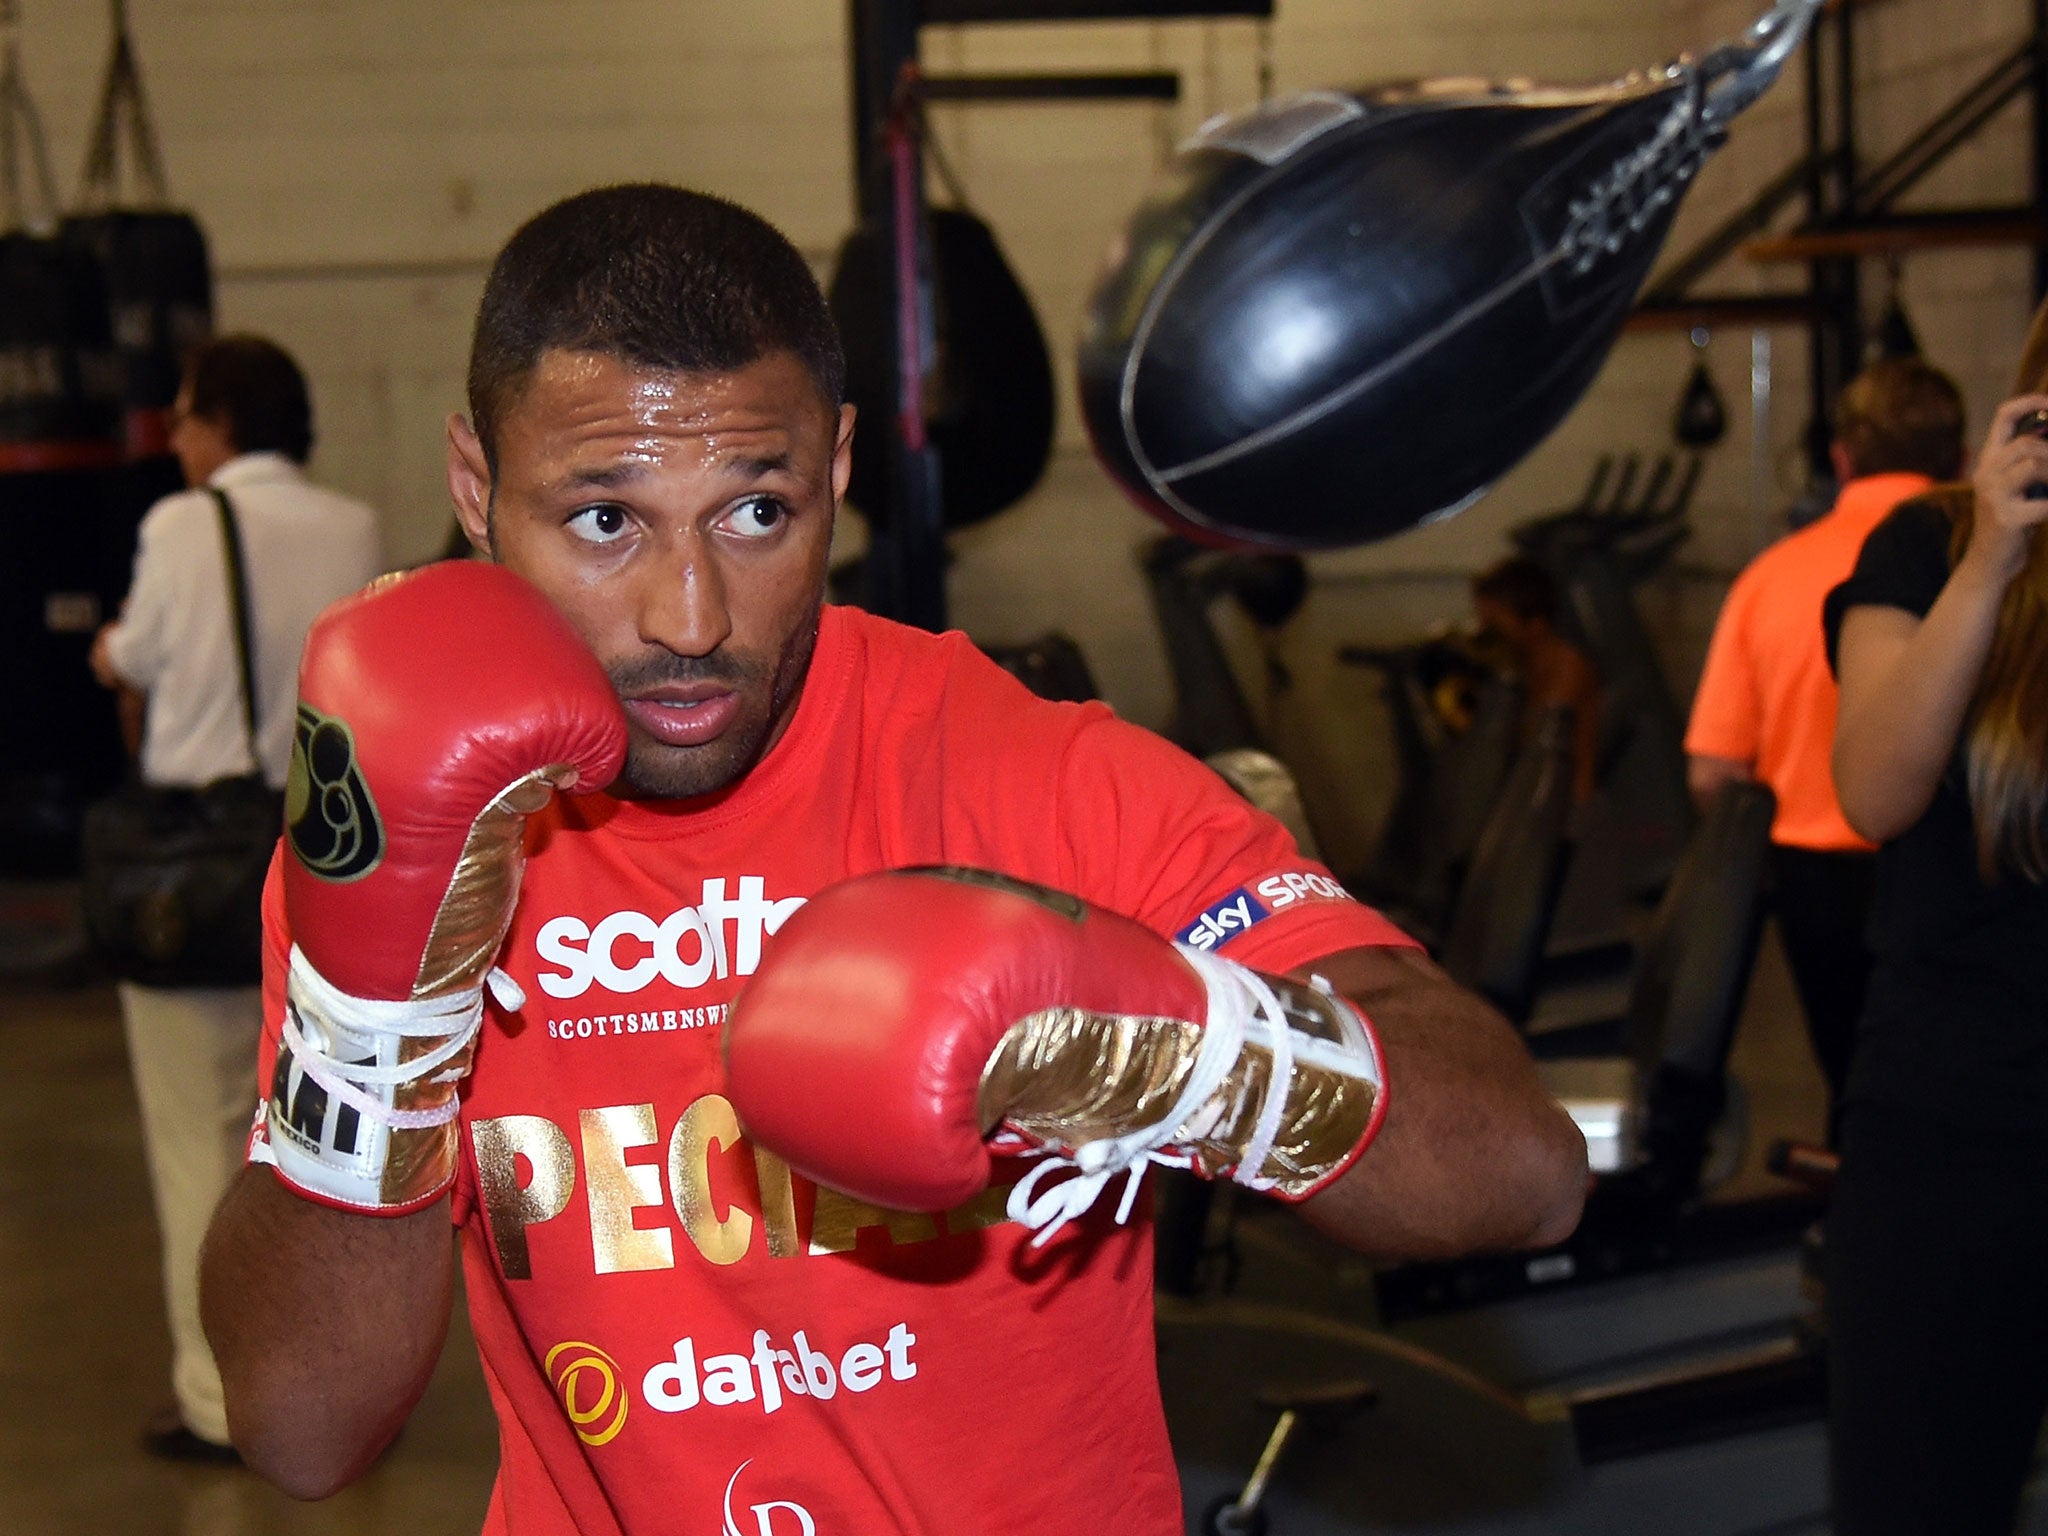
(906, 1028)
(437, 711)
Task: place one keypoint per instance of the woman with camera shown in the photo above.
(1938, 1234)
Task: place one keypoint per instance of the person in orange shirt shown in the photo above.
(1766, 702)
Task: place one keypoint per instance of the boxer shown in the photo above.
(798, 1186)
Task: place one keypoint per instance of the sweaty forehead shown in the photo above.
(591, 402)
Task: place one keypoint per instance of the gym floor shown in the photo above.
(84, 1354)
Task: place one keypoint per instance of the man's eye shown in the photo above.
(599, 524)
(757, 517)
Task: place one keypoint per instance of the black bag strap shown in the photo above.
(238, 592)
(121, 95)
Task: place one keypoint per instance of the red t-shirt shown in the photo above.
(1766, 695)
(681, 1335)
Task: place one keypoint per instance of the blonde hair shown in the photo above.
(1901, 416)
(2005, 735)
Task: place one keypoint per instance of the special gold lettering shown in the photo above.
(778, 1204)
(511, 1208)
(839, 1217)
(708, 1123)
(984, 1210)
(617, 1189)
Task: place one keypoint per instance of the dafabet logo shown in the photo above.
(587, 1381)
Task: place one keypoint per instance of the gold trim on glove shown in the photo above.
(484, 887)
(1065, 1077)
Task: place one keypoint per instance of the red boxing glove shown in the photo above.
(906, 1026)
(437, 710)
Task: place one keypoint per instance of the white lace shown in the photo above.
(1240, 1002)
(457, 1016)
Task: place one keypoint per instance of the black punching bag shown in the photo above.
(153, 256)
(60, 405)
(990, 407)
(160, 298)
(1351, 312)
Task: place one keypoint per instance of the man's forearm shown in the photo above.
(326, 1326)
(1474, 1154)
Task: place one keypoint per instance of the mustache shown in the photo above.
(642, 672)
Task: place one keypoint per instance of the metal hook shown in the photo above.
(1736, 74)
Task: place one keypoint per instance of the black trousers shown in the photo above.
(1937, 1331)
(1822, 903)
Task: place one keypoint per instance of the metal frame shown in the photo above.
(906, 564)
(1850, 209)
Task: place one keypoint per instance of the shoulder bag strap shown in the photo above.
(238, 606)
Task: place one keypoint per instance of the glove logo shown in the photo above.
(329, 816)
(598, 1410)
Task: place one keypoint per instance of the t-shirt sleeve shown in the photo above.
(1726, 711)
(138, 644)
(1153, 833)
(1903, 564)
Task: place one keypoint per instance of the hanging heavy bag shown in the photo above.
(173, 877)
(1350, 312)
(160, 299)
(59, 384)
(991, 406)
(158, 279)
(59, 395)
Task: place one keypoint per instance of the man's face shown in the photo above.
(681, 523)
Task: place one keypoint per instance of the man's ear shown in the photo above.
(469, 483)
(842, 456)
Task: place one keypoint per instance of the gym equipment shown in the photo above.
(70, 537)
(1598, 551)
(1447, 784)
(1494, 938)
(1051, 666)
(1894, 336)
(93, 320)
(152, 256)
(1351, 312)
(1575, 1389)
(59, 382)
(1702, 418)
(1334, 1429)
(59, 389)
(1651, 1089)
(1264, 780)
(989, 388)
(1210, 711)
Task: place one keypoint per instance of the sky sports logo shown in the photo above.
(1224, 921)
(1231, 916)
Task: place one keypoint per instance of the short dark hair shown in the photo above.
(1521, 586)
(1901, 416)
(252, 385)
(657, 276)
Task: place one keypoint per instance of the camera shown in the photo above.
(2033, 424)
